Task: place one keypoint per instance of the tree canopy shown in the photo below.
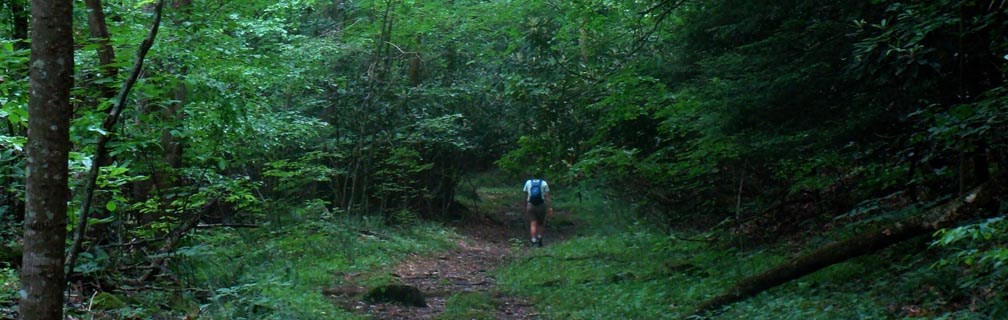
(766, 120)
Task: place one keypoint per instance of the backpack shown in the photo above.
(535, 192)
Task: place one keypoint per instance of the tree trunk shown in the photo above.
(973, 203)
(382, 57)
(171, 144)
(583, 42)
(20, 17)
(48, 148)
(98, 29)
(106, 55)
(981, 165)
(174, 113)
(339, 15)
(414, 65)
(101, 148)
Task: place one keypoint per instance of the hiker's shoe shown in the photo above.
(533, 243)
(539, 242)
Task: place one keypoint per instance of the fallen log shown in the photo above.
(944, 216)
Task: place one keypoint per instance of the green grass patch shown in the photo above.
(630, 275)
(470, 306)
(279, 272)
(618, 268)
(647, 275)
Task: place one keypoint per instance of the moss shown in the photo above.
(107, 301)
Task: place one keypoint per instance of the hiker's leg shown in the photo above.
(539, 216)
(529, 214)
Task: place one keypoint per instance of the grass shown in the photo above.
(280, 272)
(619, 269)
(613, 269)
(284, 276)
(469, 306)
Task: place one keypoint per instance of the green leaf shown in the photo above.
(111, 206)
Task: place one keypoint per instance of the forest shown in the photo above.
(364, 159)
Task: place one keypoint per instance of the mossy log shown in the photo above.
(946, 215)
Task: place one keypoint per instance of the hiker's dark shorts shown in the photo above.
(536, 212)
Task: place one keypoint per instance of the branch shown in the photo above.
(226, 225)
(661, 18)
(173, 239)
(640, 42)
(131, 243)
(975, 203)
(101, 150)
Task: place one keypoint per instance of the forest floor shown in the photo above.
(488, 240)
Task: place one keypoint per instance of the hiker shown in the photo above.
(537, 205)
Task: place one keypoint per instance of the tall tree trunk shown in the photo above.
(20, 17)
(101, 148)
(981, 165)
(171, 144)
(414, 66)
(583, 42)
(106, 55)
(98, 29)
(48, 148)
(339, 15)
(383, 47)
(174, 113)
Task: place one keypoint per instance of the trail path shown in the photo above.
(485, 245)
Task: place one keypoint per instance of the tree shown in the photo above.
(101, 150)
(106, 54)
(19, 23)
(48, 148)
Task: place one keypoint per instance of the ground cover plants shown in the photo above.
(311, 158)
(634, 270)
(280, 271)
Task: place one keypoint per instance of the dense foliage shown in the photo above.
(739, 106)
(765, 120)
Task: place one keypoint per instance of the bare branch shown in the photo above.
(101, 150)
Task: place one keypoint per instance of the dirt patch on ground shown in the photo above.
(487, 242)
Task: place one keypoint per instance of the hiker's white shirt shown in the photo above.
(528, 187)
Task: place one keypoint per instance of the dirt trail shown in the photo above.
(485, 245)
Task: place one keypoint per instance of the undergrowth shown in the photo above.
(622, 269)
(279, 272)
